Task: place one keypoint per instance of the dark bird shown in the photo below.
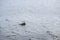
(23, 24)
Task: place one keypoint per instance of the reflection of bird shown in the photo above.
(23, 24)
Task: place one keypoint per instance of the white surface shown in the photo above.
(40, 16)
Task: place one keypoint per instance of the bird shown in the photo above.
(23, 24)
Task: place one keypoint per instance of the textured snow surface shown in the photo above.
(29, 19)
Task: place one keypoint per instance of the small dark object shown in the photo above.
(29, 39)
(8, 36)
(23, 24)
(6, 20)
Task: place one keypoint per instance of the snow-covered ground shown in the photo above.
(41, 18)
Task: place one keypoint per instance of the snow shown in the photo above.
(42, 18)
